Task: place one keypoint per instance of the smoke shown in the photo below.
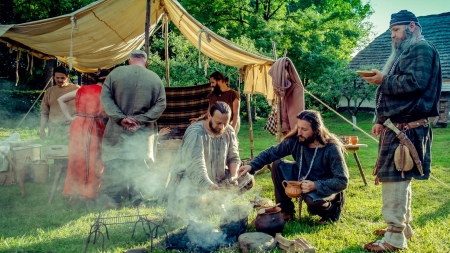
(204, 236)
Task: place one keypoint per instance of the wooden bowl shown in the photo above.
(365, 73)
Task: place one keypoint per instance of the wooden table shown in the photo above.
(355, 148)
(59, 153)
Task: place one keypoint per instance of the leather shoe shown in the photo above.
(384, 230)
(380, 246)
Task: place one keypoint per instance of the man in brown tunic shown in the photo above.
(133, 97)
(51, 114)
(222, 92)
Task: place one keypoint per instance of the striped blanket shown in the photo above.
(183, 103)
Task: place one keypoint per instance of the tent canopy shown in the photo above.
(102, 34)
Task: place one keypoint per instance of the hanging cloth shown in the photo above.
(288, 86)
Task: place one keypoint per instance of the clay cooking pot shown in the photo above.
(270, 222)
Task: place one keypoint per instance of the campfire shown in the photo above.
(201, 236)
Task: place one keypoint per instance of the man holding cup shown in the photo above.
(319, 165)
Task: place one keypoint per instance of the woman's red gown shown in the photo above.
(85, 147)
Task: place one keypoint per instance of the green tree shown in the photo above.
(315, 33)
(338, 82)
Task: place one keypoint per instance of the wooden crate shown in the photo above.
(7, 177)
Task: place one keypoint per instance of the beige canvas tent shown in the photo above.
(103, 33)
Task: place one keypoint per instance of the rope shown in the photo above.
(32, 65)
(203, 30)
(19, 54)
(43, 90)
(439, 181)
(72, 22)
(348, 121)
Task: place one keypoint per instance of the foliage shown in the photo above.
(258, 106)
(357, 93)
(21, 11)
(314, 33)
(339, 82)
(15, 104)
(30, 225)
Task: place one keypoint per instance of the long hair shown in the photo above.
(397, 48)
(220, 77)
(321, 132)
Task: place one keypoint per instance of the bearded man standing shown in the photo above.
(319, 165)
(133, 97)
(408, 94)
(208, 155)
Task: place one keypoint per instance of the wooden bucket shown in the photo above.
(40, 171)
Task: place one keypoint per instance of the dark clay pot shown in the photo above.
(270, 222)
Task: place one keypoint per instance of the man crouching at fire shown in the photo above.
(207, 161)
(319, 166)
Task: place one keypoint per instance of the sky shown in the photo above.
(384, 8)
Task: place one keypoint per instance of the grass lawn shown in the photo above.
(30, 225)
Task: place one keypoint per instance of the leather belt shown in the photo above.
(410, 125)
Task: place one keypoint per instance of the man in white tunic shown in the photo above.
(208, 156)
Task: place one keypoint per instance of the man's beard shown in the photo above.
(215, 131)
(397, 48)
(216, 90)
(306, 141)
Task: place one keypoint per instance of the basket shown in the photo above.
(40, 171)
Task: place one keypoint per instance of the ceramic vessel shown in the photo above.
(270, 222)
(292, 188)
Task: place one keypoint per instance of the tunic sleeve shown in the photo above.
(271, 154)
(339, 180)
(194, 159)
(233, 150)
(45, 106)
(109, 105)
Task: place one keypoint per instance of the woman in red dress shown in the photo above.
(85, 147)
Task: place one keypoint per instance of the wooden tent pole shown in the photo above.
(274, 48)
(166, 47)
(250, 125)
(147, 27)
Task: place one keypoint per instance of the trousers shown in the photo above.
(396, 212)
(323, 208)
(125, 178)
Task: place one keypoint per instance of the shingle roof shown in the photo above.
(436, 29)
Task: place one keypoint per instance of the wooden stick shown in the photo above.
(274, 49)
(250, 124)
(300, 200)
(20, 179)
(147, 26)
(166, 46)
